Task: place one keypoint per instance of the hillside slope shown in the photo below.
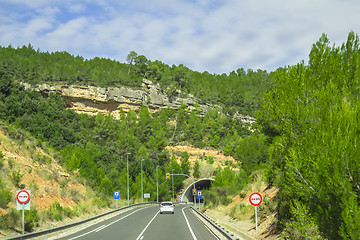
(23, 162)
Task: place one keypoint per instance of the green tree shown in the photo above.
(130, 59)
(185, 163)
(196, 169)
(310, 116)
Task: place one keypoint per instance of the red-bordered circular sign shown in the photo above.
(23, 197)
(255, 199)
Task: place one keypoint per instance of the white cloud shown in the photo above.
(216, 36)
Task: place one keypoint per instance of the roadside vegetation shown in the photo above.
(304, 143)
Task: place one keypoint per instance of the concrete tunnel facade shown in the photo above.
(201, 184)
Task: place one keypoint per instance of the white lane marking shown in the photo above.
(141, 234)
(211, 231)
(104, 225)
(187, 222)
(100, 228)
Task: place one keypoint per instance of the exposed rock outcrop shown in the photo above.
(91, 99)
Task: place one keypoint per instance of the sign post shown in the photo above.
(199, 196)
(116, 197)
(23, 203)
(255, 199)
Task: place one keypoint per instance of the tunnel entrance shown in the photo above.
(202, 184)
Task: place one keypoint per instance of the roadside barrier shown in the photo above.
(225, 234)
(73, 227)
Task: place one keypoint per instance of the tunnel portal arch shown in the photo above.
(201, 184)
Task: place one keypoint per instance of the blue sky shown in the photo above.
(217, 36)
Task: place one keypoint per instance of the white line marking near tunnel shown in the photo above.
(187, 222)
(141, 234)
(102, 227)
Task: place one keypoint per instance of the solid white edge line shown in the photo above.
(138, 238)
(100, 228)
(209, 229)
(187, 222)
(105, 225)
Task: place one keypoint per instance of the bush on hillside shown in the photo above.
(302, 225)
(31, 219)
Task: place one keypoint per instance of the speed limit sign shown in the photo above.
(255, 199)
(23, 197)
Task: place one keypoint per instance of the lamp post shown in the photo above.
(172, 179)
(194, 189)
(127, 175)
(142, 194)
(157, 184)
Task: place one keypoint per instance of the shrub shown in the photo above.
(11, 219)
(5, 198)
(55, 211)
(100, 202)
(1, 160)
(267, 207)
(302, 225)
(63, 183)
(68, 212)
(31, 219)
(211, 197)
(75, 195)
(210, 160)
(15, 177)
(42, 159)
(11, 163)
(226, 200)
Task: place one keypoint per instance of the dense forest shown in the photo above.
(305, 137)
(240, 91)
(97, 145)
(311, 117)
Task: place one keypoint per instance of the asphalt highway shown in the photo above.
(147, 224)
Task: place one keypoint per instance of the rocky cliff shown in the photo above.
(91, 100)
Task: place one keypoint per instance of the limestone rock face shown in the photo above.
(91, 100)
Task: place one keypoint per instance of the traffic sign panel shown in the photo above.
(23, 197)
(116, 194)
(255, 199)
(199, 194)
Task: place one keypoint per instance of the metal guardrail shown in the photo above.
(223, 231)
(45, 233)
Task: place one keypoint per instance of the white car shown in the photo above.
(166, 207)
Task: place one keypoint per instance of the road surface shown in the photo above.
(147, 224)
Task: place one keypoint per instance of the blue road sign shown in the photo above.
(199, 194)
(116, 194)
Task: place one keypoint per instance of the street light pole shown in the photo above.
(182, 174)
(142, 194)
(127, 175)
(157, 184)
(172, 178)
